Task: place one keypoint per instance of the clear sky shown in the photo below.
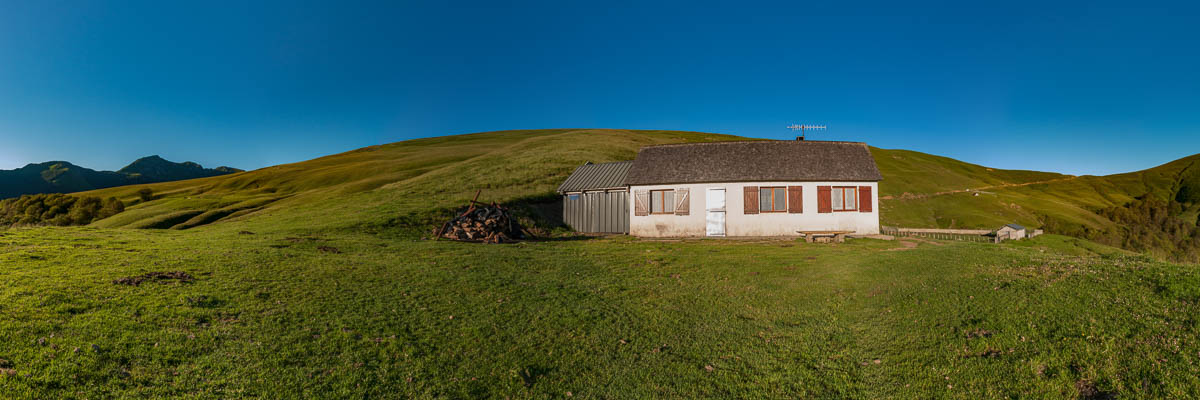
(1088, 87)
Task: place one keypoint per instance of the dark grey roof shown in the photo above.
(753, 161)
(596, 176)
(1015, 226)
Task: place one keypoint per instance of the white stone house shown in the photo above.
(753, 188)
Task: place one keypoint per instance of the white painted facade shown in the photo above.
(1008, 232)
(738, 223)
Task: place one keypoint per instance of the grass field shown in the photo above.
(273, 315)
(311, 280)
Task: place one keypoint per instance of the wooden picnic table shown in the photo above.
(838, 236)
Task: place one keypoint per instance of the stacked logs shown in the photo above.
(488, 223)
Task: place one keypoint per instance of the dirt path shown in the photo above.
(1005, 185)
(909, 243)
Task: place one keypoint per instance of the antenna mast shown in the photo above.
(802, 127)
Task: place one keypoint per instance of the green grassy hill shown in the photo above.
(376, 185)
(379, 187)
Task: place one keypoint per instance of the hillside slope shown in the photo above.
(64, 177)
(368, 186)
(371, 187)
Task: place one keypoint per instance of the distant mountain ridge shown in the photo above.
(65, 177)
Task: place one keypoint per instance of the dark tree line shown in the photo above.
(57, 209)
(1146, 224)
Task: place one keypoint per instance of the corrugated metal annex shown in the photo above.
(597, 212)
(595, 198)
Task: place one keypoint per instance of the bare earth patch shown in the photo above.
(1088, 391)
(161, 277)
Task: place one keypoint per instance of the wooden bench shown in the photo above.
(838, 236)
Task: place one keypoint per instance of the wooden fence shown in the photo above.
(940, 234)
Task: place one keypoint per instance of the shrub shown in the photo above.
(57, 209)
(145, 194)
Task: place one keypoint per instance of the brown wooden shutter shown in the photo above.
(824, 199)
(750, 200)
(682, 202)
(795, 199)
(641, 203)
(864, 198)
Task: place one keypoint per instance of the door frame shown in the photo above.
(708, 209)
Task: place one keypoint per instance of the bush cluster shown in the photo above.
(1146, 224)
(1149, 224)
(57, 209)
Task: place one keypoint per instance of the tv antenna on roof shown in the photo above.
(801, 128)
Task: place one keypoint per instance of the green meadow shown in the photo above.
(269, 315)
(315, 280)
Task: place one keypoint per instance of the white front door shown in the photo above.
(714, 205)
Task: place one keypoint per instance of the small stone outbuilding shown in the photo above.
(1011, 232)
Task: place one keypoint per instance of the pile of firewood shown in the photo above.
(488, 223)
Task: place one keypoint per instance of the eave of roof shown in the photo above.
(601, 176)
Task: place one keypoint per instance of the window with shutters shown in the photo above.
(772, 199)
(845, 198)
(662, 201)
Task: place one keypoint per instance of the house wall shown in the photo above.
(737, 223)
(1010, 233)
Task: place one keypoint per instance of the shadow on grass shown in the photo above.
(565, 238)
(540, 215)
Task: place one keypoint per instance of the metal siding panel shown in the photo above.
(579, 213)
(609, 213)
(570, 212)
(591, 212)
(600, 203)
(574, 215)
(579, 210)
(614, 211)
(625, 212)
(616, 228)
(583, 215)
(597, 212)
(572, 208)
(603, 214)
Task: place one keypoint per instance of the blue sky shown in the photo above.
(1082, 88)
